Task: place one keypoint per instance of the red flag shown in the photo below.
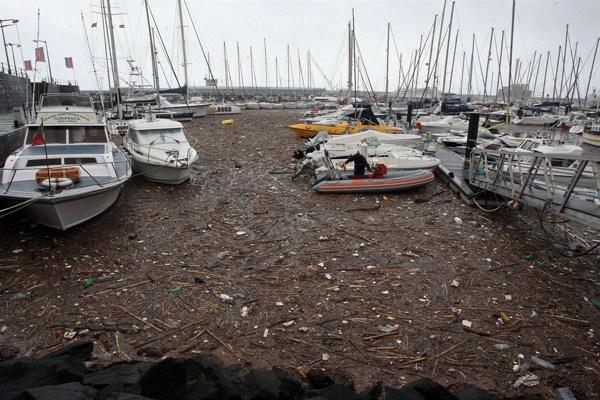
(69, 62)
(39, 54)
(95, 24)
(121, 26)
(28, 65)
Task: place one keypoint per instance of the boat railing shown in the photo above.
(536, 180)
(121, 169)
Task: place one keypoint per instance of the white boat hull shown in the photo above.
(161, 173)
(223, 109)
(592, 138)
(252, 106)
(265, 106)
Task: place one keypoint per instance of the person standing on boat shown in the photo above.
(360, 163)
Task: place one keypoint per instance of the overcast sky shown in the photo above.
(316, 25)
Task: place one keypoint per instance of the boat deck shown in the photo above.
(454, 171)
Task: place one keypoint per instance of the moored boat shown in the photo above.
(67, 170)
(160, 150)
(376, 182)
(591, 134)
(224, 109)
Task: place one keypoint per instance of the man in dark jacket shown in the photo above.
(360, 163)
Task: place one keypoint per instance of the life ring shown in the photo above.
(56, 182)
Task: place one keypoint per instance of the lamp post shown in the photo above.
(47, 55)
(2, 26)
(12, 49)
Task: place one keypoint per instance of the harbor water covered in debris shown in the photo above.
(252, 267)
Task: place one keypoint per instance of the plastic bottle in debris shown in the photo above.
(501, 346)
(542, 363)
(564, 393)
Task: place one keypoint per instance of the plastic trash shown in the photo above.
(527, 380)
(564, 393)
(527, 257)
(244, 311)
(387, 328)
(501, 346)
(227, 122)
(224, 296)
(542, 363)
(458, 220)
(595, 302)
(176, 289)
(173, 324)
(104, 356)
(88, 282)
(506, 319)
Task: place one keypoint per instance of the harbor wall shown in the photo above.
(9, 142)
(13, 91)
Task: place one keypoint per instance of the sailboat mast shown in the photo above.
(470, 86)
(350, 55)
(185, 71)
(114, 57)
(591, 70)
(153, 53)
(500, 66)
(453, 59)
(545, 75)
(487, 67)
(510, 57)
(562, 75)
(537, 72)
(240, 76)
(448, 50)
(387, 65)
(437, 54)
(430, 55)
(266, 68)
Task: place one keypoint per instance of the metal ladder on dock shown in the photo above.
(562, 185)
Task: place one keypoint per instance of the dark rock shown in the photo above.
(114, 374)
(229, 381)
(119, 387)
(200, 366)
(25, 373)
(472, 393)
(202, 389)
(70, 391)
(319, 379)
(402, 393)
(290, 387)
(333, 392)
(372, 393)
(261, 384)
(126, 396)
(431, 390)
(165, 380)
(81, 351)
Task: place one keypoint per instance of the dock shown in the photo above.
(490, 190)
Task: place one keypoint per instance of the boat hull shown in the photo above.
(397, 182)
(223, 109)
(63, 212)
(161, 173)
(592, 136)
(310, 130)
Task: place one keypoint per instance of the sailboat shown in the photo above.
(159, 148)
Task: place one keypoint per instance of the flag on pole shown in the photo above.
(69, 62)
(95, 24)
(28, 66)
(39, 54)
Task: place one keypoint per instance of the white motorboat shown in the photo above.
(278, 106)
(591, 135)
(263, 105)
(199, 109)
(559, 168)
(160, 151)
(289, 105)
(252, 105)
(369, 136)
(67, 170)
(224, 109)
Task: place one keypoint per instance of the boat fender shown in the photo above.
(418, 126)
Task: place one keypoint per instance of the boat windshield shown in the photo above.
(66, 100)
(58, 135)
(160, 136)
